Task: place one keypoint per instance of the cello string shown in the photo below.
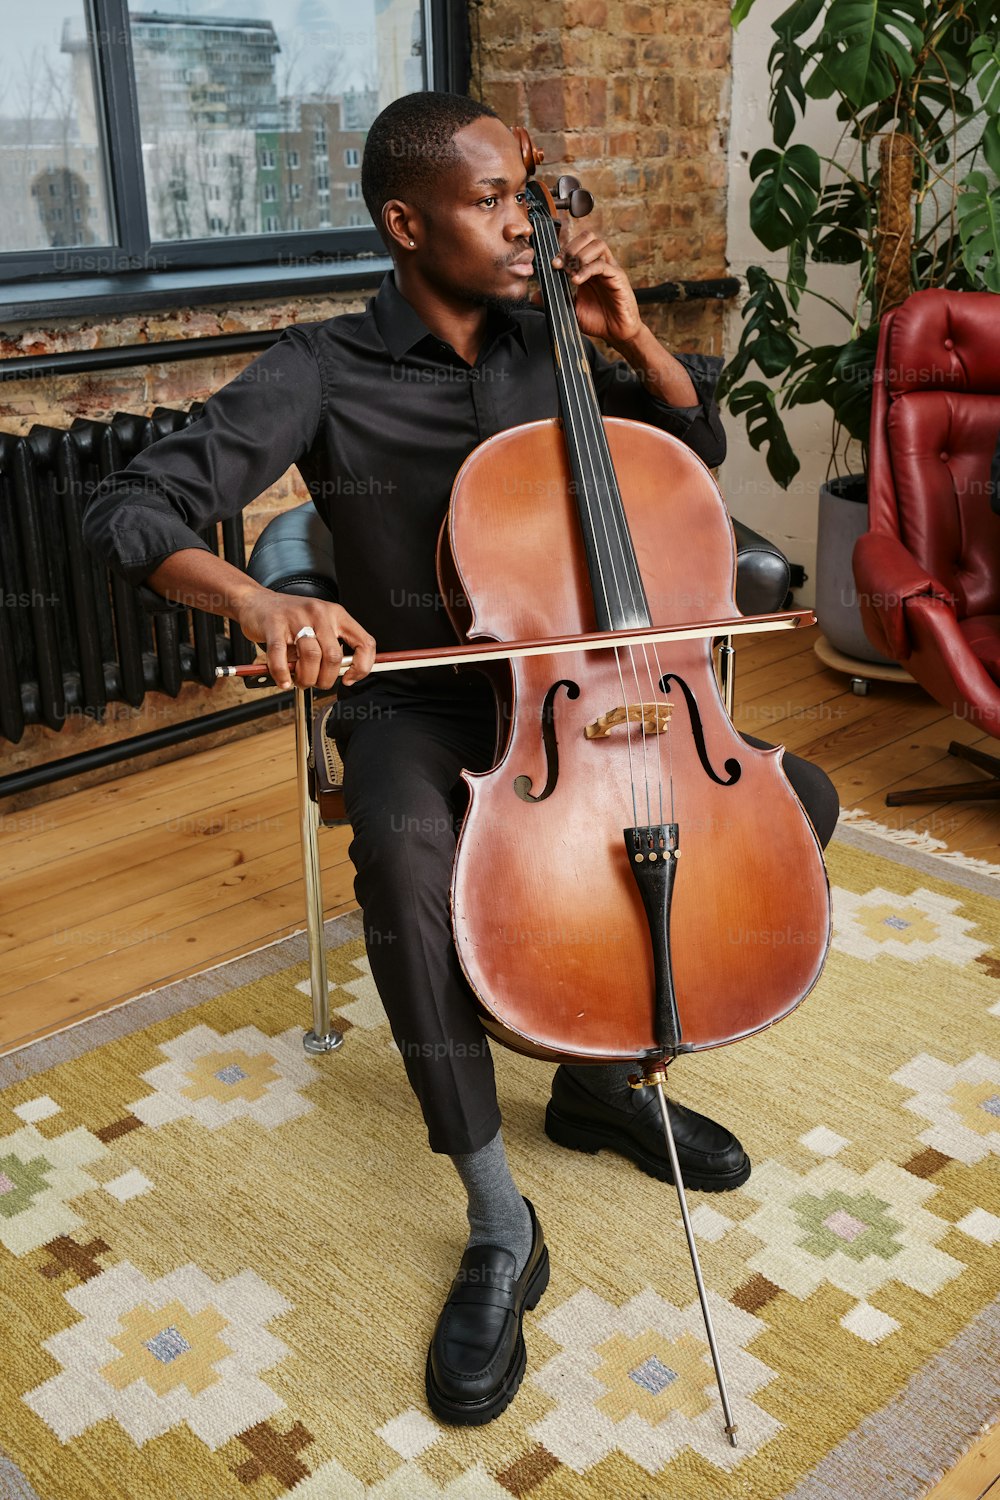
(581, 388)
(579, 392)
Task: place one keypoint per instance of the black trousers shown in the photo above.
(403, 749)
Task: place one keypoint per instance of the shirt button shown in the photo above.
(945, 457)
(949, 343)
(473, 374)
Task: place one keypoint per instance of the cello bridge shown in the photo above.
(654, 718)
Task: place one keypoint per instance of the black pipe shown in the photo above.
(157, 739)
(85, 361)
(722, 289)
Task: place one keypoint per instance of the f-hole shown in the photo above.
(522, 784)
(732, 767)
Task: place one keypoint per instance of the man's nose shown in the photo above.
(518, 224)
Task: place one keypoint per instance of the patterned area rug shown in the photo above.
(220, 1261)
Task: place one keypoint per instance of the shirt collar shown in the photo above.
(401, 327)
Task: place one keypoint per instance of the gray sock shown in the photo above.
(497, 1212)
(607, 1081)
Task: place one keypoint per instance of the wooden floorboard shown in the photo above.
(123, 887)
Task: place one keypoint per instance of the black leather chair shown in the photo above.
(294, 555)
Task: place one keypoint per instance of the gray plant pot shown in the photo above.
(843, 517)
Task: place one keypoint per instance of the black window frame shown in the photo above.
(135, 259)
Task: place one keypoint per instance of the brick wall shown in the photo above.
(631, 97)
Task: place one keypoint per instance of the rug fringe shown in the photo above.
(914, 838)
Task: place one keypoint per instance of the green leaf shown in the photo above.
(755, 402)
(842, 223)
(991, 145)
(797, 274)
(979, 226)
(786, 65)
(786, 62)
(865, 48)
(741, 10)
(785, 198)
(766, 338)
(985, 58)
(811, 376)
(852, 378)
(797, 19)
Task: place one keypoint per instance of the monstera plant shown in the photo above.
(906, 192)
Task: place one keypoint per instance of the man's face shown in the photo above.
(476, 236)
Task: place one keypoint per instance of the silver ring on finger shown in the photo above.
(306, 630)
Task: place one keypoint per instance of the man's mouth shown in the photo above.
(523, 265)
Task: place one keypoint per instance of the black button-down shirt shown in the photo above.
(378, 415)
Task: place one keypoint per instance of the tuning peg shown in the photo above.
(576, 199)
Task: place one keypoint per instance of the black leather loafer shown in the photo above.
(711, 1158)
(477, 1357)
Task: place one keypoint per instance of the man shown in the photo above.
(379, 410)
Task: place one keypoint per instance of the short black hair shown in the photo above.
(409, 143)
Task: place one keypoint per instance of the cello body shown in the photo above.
(550, 928)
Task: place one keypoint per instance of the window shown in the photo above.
(294, 191)
(270, 192)
(354, 190)
(165, 127)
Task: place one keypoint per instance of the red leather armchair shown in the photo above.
(928, 570)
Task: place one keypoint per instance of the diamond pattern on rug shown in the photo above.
(410, 1434)
(823, 1142)
(216, 1079)
(155, 1354)
(638, 1379)
(129, 1185)
(981, 1226)
(528, 1472)
(854, 1232)
(39, 1175)
(275, 1454)
(42, 1108)
(916, 927)
(79, 1260)
(868, 1323)
(366, 1009)
(408, 1482)
(962, 1102)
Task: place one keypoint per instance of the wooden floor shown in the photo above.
(108, 893)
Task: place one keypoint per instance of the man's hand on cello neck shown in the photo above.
(607, 309)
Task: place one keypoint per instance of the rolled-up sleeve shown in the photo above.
(249, 433)
(622, 393)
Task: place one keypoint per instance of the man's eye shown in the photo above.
(483, 202)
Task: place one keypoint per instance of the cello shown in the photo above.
(583, 932)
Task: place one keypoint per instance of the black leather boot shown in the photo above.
(477, 1356)
(710, 1156)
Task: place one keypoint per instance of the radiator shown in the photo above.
(74, 636)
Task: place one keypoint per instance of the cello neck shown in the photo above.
(619, 599)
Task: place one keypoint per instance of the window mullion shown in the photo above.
(123, 135)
